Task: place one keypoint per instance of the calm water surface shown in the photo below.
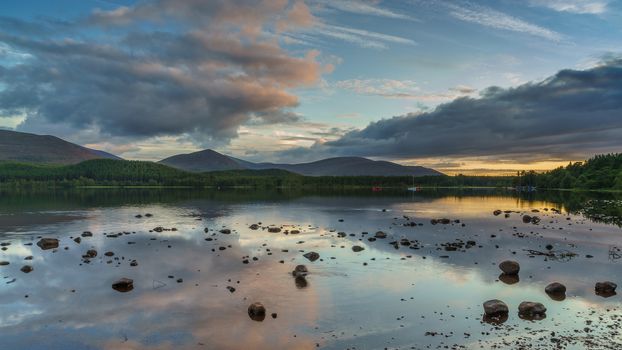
(381, 297)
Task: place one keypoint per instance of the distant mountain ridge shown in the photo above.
(30, 148)
(209, 160)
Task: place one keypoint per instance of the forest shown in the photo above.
(602, 172)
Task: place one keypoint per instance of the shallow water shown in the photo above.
(381, 297)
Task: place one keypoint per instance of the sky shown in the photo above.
(473, 87)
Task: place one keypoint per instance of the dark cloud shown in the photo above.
(571, 114)
(207, 69)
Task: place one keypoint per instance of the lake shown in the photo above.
(421, 287)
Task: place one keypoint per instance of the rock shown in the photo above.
(257, 312)
(225, 231)
(254, 227)
(230, 289)
(341, 234)
(555, 288)
(493, 308)
(87, 234)
(134, 263)
(380, 234)
(4, 263)
(123, 285)
(531, 310)
(26, 269)
(274, 229)
(357, 248)
(91, 253)
(77, 240)
(535, 220)
(497, 212)
(109, 254)
(158, 229)
(526, 219)
(605, 289)
(300, 270)
(509, 267)
(48, 243)
(312, 256)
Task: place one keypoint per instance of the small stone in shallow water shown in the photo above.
(509, 267)
(555, 288)
(312, 256)
(495, 307)
(257, 312)
(225, 231)
(531, 310)
(380, 234)
(357, 248)
(26, 269)
(274, 229)
(48, 243)
(605, 289)
(300, 270)
(123, 285)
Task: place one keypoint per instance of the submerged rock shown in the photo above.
(26, 269)
(257, 312)
(123, 285)
(225, 231)
(274, 229)
(495, 308)
(357, 248)
(526, 219)
(497, 212)
(254, 227)
(4, 263)
(312, 256)
(509, 267)
(48, 243)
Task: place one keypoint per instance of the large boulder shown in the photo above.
(509, 267)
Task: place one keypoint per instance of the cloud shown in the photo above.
(574, 6)
(573, 114)
(206, 69)
(399, 89)
(488, 17)
(363, 8)
(360, 37)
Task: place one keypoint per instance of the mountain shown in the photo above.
(202, 161)
(209, 160)
(31, 148)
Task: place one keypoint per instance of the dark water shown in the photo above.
(381, 297)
